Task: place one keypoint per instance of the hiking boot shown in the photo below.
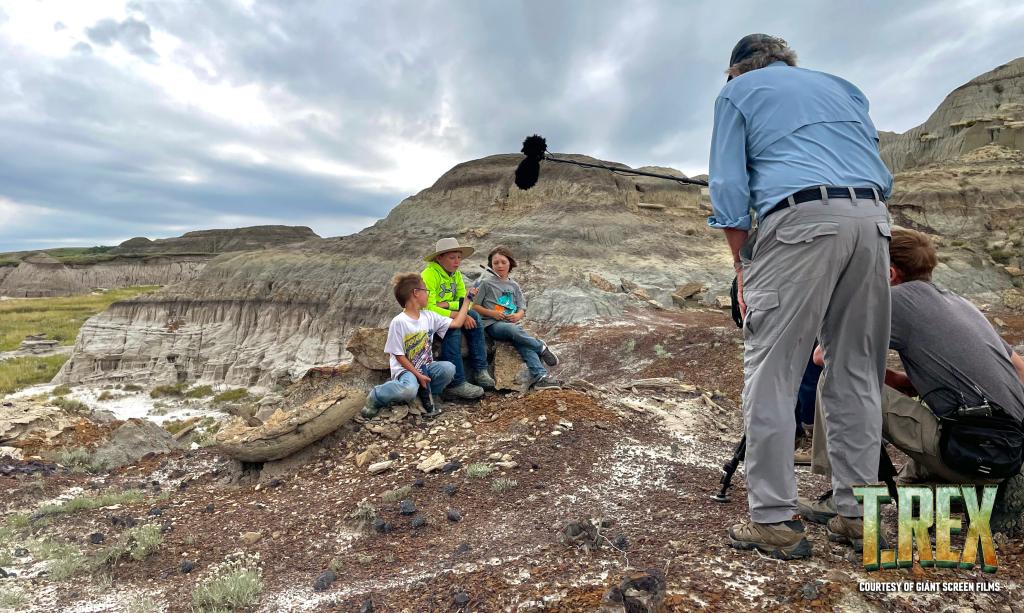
(802, 454)
(548, 356)
(370, 408)
(783, 541)
(818, 511)
(547, 383)
(465, 391)
(846, 530)
(484, 380)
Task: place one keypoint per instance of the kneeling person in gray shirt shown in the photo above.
(953, 358)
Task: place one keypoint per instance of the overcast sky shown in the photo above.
(122, 119)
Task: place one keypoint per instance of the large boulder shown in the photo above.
(133, 440)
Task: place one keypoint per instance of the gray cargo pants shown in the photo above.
(819, 269)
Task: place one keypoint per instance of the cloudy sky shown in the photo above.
(152, 118)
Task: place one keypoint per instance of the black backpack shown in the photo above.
(989, 446)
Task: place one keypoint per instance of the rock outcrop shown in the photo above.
(987, 110)
(960, 176)
(137, 261)
(218, 241)
(257, 318)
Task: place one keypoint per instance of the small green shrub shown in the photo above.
(661, 352)
(144, 604)
(176, 390)
(232, 395)
(131, 387)
(145, 540)
(18, 521)
(1001, 256)
(233, 584)
(12, 599)
(503, 484)
(479, 470)
(200, 391)
(396, 494)
(65, 560)
(363, 515)
(175, 426)
(70, 405)
(80, 460)
(87, 503)
(105, 396)
(61, 390)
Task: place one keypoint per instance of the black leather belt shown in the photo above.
(814, 193)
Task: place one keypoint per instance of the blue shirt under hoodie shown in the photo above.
(781, 129)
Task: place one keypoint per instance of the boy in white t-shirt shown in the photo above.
(410, 337)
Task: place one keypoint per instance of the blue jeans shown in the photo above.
(451, 349)
(807, 395)
(527, 346)
(404, 388)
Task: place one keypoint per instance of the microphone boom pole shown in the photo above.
(535, 148)
(626, 171)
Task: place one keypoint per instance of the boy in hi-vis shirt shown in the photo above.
(410, 335)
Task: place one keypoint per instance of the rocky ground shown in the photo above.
(608, 479)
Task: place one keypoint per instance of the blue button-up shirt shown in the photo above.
(781, 129)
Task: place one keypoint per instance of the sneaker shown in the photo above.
(818, 511)
(465, 391)
(547, 383)
(370, 408)
(485, 380)
(548, 356)
(783, 541)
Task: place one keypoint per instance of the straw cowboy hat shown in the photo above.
(449, 244)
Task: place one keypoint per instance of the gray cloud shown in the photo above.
(132, 34)
(57, 27)
(328, 116)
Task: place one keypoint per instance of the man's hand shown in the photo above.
(736, 239)
(422, 378)
(471, 292)
(469, 324)
(516, 317)
(819, 356)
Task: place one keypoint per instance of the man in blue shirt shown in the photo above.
(798, 148)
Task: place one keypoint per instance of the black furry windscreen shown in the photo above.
(528, 171)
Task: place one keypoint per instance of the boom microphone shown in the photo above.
(535, 149)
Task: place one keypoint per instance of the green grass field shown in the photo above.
(59, 319)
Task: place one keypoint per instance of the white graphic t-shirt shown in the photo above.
(412, 338)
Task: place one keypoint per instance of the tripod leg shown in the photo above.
(730, 469)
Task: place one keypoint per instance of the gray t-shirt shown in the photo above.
(505, 296)
(948, 347)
